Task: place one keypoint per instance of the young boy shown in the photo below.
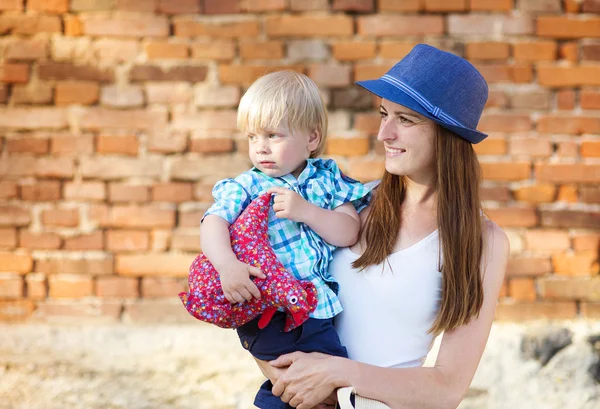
(314, 211)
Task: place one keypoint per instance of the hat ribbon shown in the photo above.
(432, 109)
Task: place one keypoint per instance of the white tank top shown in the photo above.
(387, 313)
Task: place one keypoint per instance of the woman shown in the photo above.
(428, 261)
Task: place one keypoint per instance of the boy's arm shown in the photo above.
(338, 227)
(234, 275)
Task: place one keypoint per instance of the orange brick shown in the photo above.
(360, 6)
(179, 7)
(41, 191)
(580, 288)
(510, 171)
(364, 72)
(565, 99)
(567, 193)
(211, 145)
(11, 5)
(121, 287)
(8, 189)
(524, 311)
(245, 74)
(30, 24)
(14, 216)
(26, 49)
(141, 217)
(15, 262)
(401, 5)
(445, 5)
(119, 144)
(567, 149)
(353, 50)
(186, 241)
(72, 145)
(543, 193)
(495, 194)
(160, 240)
(397, 25)
(233, 29)
(74, 311)
(92, 241)
(82, 266)
(60, 217)
(357, 145)
(497, 98)
(513, 216)
(125, 192)
(365, 170)
(27, 144)
(583, 264)
(546, 240)
(191, 218)
(70, 286)
(15, 310)
(12, 286)
(309, 5)
(330, 75)
(590, 194)
(570, 219)
(254, 6)
(559, 76)
(154, 264)
(127, 240)
(520, 73)
(264, 50)
(535, 51)
(39, 241)
(37, 288)
(532, 147)
(522, 289)
(395, 50)
(165, 50)
(505, 122)
(569, 51)
(158, 287)
(49, 6)
(132, 26)
(84, 191)
(590, 149)
(14, 73)
(487, 51)
(588, 241)
(491, 5)
(572, 125)
(8, 238)
(172, 192)
(590, 310)
(529, 266)
(213, 50)
(73, 25)
(76, 92)
(309, 26)
(367, 122)
(572, 6)
(221, 6)
(589, 99)
(568, 26)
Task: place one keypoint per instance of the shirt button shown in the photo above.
(246, 346)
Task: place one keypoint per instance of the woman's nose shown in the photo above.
(386, 131)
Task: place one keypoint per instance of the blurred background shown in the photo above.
(117, 116)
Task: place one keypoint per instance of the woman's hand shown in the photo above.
(269, 371)
(309, 379)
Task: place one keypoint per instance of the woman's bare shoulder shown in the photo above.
(496, 247)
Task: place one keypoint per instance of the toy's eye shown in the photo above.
(293, 299)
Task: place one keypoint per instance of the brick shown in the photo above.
(60, 217)
(497, 98)
(583, 264)
(222, 50)
(569, 52)
(179, 6)
(160, 240)
(580, 288)
(91, 5)
(350, 145)
(568, 26)
(531, 147)
(542, 193)
(590, 149)
(15, 310)
(559, 76)
(530, 100)
(525, 311)
(76, 92)
(309, 26)
(572, 125)
(70, 286)
(186, 241)
(154, 264)
(4, 91)
(172, 192)
(92, 241)
(496, 194)
(27, 144)
(14, 73)
(127, 96)
(48, 6)
(395, 49)
(72, 145)
(211, 145)
(35, 93)
(491, 5)
(570, 218)
(589, 99)
(22, 24)
(16, 263)
(397, 26)
(309, 5)
(11, 215)
(49, 167)
(114, 51)
(82, 266)
(161, 287)
(353, 50)
(127, 240)
(157, 311)
(590, 194)
(37, 288)
(171, 142)
(134, 216)
(482, 24)
(365, 170)
(354, 98)
(8, 238)
(529, 266)
(39, 241)
(510, 171)
(567, 149)
(590, 52)
(364, 72)
(590, 310)
(165, 50)
(445, 5)
(41, 191)
(8, 189)
(211, 95)
(187, 73)
(148, 6)
(535, 51)
(121, 287)
(307, 50)
(487, 51)
(257, 6)
(225, 29)
(111, 167)
(572, 6)
(205, 120)
(590, 6)
(84, 191)
(567, 193)
(540, 6)
(401, 5)
(494, 72)
(74, 311)
(330, 75)
(104, 118)
(125, 192)
(118, 144)
(67, 71)
(546, 240)
(73, 25)
(191, 218)
(168, 93)
(157, 26)
(221, 6)
(522, 289)
(11, 5)
(27, 49)
(12, 286)
(520, 73)
(513, 216)
(567, 173)
(565, 99)
(359, 6)
(264, 50)
(221, 166)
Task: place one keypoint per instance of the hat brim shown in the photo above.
(391, 93)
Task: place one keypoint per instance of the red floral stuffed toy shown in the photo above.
(250, 243)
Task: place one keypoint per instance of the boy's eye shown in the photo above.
(273, 135)
(251, 137)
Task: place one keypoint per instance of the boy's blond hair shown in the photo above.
(284, 96)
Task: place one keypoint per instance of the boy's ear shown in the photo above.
(313, 140)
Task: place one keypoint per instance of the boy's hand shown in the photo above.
(236, 283)
(289, 204)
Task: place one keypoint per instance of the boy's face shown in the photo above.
(278, 152)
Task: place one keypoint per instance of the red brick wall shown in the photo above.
(117, 116)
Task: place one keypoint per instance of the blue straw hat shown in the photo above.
(438, 85)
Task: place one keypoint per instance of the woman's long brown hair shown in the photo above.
(459, 220)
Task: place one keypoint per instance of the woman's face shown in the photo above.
(409, 141)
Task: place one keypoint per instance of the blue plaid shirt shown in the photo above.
(304, 253)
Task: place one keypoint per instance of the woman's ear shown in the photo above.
(314, 139)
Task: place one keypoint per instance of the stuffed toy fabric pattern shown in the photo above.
(279, 290)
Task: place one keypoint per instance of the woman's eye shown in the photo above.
(383, 114)
(405, 120)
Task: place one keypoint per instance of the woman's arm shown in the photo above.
(308, 379)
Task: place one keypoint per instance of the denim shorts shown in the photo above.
(315, 335)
